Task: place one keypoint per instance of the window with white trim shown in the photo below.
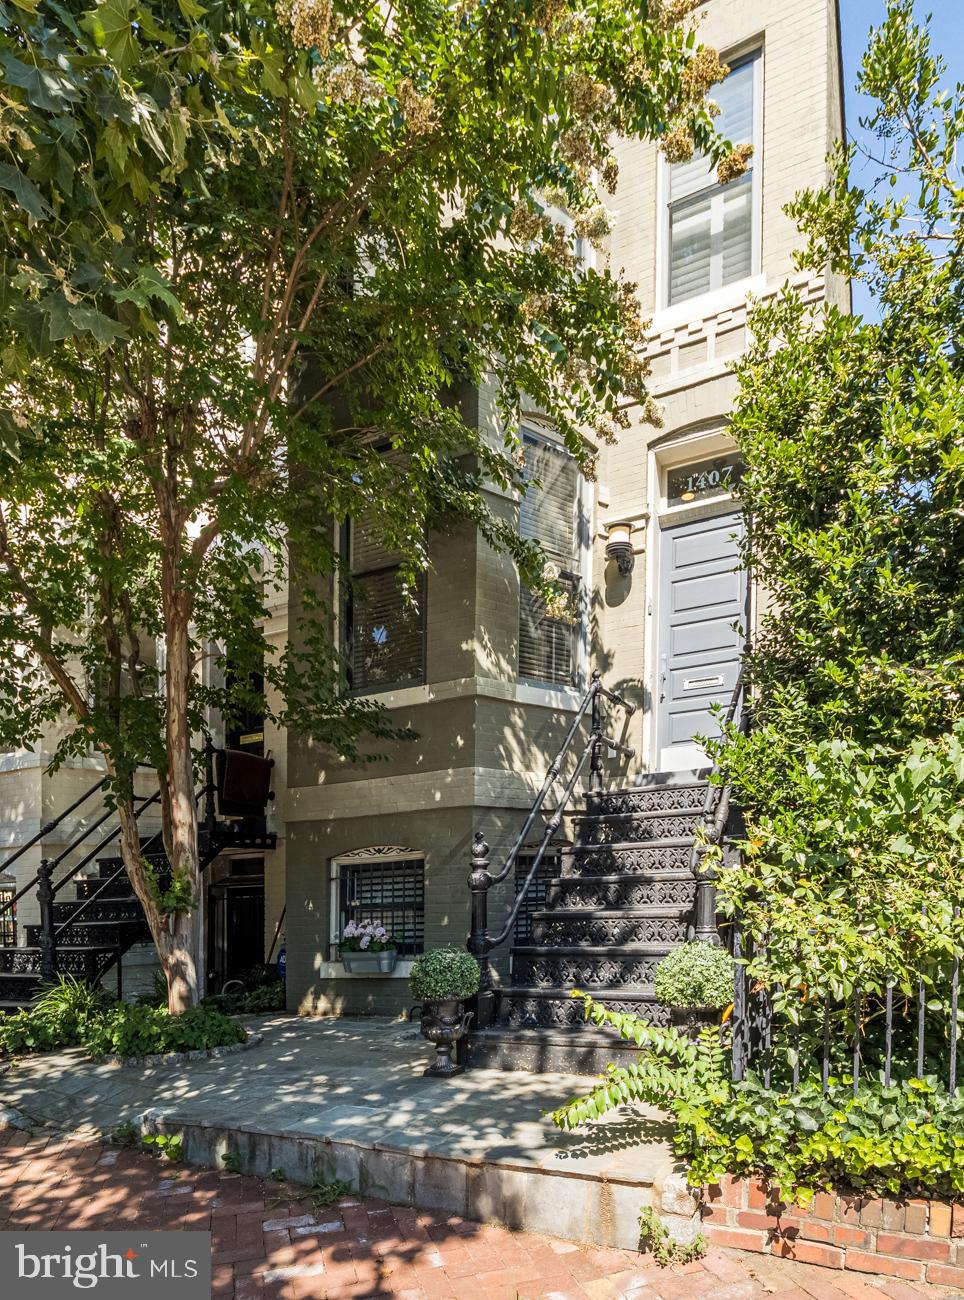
(711, 226)
(384, 885)
(549, 513)
(385, 630)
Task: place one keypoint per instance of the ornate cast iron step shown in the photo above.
(71, 960)
(656, 888)
(635, 828)
(109, 907)
(627, 858)
(646, 799)
(588, 967)
(592, 928)
(537, 1008)
(89, 933)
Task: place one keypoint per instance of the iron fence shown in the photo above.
(887, 1032)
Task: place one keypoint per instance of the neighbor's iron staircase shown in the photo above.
(86, 932)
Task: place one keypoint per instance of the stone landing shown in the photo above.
(327, 1099)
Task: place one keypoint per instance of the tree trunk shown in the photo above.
(181, 953)
(175, 936)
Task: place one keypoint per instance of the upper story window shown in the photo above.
(712, 236)
(550, 514)
(385, 632)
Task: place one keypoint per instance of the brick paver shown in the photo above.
(271, 1242)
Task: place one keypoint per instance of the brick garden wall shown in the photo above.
(918, 1240)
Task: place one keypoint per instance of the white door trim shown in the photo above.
(698, 444)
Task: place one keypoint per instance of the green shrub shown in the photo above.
(58, 1018)
(907, 1138)
(696, 975)
(251, 1002)
(445, 973)
(127, 1030)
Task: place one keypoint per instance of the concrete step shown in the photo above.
(662, 888)
(595, 927)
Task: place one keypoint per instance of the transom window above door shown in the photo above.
(712, 227)
(703, 479)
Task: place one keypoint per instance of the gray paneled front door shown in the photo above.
(702, 614)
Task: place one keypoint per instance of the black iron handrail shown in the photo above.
(715, 815)
(42, 834)
(481, 943)
(53, 863)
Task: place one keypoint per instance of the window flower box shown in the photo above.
(366, 948)
(369, 963)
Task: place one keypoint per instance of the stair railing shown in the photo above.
(481, 943)
(715, 815)
(7, 907)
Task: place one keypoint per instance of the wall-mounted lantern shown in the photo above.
(619, 547)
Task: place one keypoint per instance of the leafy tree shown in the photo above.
(852, 773)
(249, 258)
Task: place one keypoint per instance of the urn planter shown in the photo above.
(444, 1022)
(690, 1020)
(369, 963)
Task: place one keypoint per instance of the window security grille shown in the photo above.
(548, 513)
(711, 225)
(389, 892)
(535, 899)
(385, 631)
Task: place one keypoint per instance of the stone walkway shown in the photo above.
(270, 1240)
(347, 1097)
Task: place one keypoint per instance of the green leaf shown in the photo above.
(112, 28)
(24, 191)
(46, 88)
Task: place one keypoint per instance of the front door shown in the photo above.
(703, 618)
(235, 930)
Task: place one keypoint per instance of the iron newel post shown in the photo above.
(480, 942)
(596, 736)
(48, 942)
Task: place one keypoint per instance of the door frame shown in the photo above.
(666, 453)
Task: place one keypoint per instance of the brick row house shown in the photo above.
(484, 677)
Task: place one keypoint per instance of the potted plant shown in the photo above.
(441, 980)
(366, 948)
(696, 982)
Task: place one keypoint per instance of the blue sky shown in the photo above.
(856, 19)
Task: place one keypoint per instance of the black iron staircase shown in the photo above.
(87, 923)
(634, 884)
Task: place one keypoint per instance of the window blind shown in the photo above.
(549, 515)
(386, 632)
(711, 226)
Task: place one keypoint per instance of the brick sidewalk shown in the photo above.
(270, 1241)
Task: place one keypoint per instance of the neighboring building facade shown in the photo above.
(488, 683)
